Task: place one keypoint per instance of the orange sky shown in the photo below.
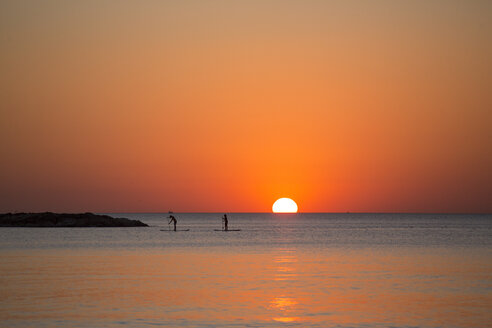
(356, 106)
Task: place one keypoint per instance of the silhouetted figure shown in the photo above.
(173, 220)
(226, 222)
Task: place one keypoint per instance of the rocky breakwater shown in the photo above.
(49, 219)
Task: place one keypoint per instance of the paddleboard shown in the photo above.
(227, 230)
(176, 230)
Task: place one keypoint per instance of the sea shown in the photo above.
(278, 270)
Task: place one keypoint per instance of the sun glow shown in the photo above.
(284, 205)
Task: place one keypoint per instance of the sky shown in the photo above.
(226, 106)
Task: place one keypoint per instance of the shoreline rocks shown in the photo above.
(55, 220)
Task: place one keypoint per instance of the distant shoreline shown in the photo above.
(65, 220)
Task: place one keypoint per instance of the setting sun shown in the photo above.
(284, 205)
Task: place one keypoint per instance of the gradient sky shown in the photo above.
(363, 106)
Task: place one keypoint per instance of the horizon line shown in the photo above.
(240, 212)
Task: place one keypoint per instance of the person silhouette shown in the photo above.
(173, 220)
(224, 219)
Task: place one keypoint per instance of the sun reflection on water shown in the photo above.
(285, 265)
(286, 319)
(285, 270)
(283, 303)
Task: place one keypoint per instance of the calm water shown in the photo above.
(303, 270)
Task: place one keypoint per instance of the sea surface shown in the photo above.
(279, 270)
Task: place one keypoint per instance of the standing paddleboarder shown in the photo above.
(173, 220)
(224, 219)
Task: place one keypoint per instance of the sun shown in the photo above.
(284, 205)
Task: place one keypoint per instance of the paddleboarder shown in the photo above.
(224, 219)
(173, 220)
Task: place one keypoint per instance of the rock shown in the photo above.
(49, 219)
